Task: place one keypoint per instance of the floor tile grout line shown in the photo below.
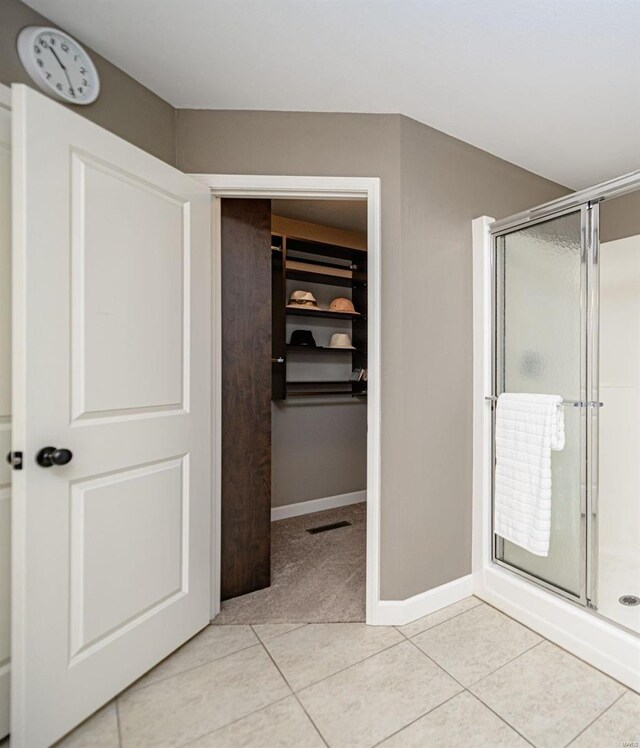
(348, 667)
(555, 644)
(435, 625)
(515, 620)
(504, 719)
(438, 665)
(501, 718)
(310, 718)
(593, 721)
(118, 725)
(236, 720)
(131, 689)
(417, 719)
(504, 664)
(465, 688)
(277, 636)
(259, 642)
(524, 625)
(295, 695)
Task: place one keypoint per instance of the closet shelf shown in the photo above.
(319, 249)
(318, 349)
(322, 387)
(300, 264)
(318, 382)
(306, 276)
(322, 313)
(323, 393)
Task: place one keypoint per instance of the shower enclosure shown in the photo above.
(565, 314)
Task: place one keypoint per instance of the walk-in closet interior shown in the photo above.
(294, 415)
(566, 282)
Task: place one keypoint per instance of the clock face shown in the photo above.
(58, 64)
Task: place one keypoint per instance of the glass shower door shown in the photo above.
(540, 347)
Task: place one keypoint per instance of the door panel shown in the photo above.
(5, 410)
(111, 340)
(246, 396)
(540, 334)
(114, 577)
(113, 321)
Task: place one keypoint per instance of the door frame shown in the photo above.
(5, 667)
(310, 188)
(587, 240)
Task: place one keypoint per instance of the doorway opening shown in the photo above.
(294, 331)
(326, 427)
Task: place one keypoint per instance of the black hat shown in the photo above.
(302, 337)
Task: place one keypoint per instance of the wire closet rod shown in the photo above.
(574, 403)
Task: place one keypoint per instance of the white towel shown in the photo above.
(528, 427)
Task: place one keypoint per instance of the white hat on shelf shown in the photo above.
(341, 340)
(304, 299)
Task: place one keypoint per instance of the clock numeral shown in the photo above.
(36, 49)
(43, 43)
(47, 75)
(80, 89)
(85, 82)
(83, 71)
(52, 42)
(71, 91)
(64, 47)
(59, 86)
(39, 62)
(76, 58)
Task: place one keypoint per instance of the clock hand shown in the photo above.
(53, 52)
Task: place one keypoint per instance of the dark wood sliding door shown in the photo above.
(246, 396)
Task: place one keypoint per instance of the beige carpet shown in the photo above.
(314, 578)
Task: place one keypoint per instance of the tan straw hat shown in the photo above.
(304, 299)
(340, 340)
(342, 305)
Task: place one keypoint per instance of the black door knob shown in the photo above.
(49, 456)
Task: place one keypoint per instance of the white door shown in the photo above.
(5, 403)
(111, 344)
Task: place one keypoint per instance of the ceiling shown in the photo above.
(341, 214)
(551, 85)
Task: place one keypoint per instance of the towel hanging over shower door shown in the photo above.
(528, 428)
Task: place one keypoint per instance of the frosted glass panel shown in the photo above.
(539, 335)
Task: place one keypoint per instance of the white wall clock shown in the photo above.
(58, 64)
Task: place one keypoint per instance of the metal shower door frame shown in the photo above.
(588, 396)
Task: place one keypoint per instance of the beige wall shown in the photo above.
(307, 462)
(317, 450)
(620, 217)
(432, 186)
(124, 106)
(445, 184)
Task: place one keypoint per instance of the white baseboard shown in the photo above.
(317, 505)
(399, 612)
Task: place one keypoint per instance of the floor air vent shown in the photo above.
(332, 526)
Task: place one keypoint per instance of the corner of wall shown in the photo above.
(176, 115)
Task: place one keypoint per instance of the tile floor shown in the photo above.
(464, 676)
